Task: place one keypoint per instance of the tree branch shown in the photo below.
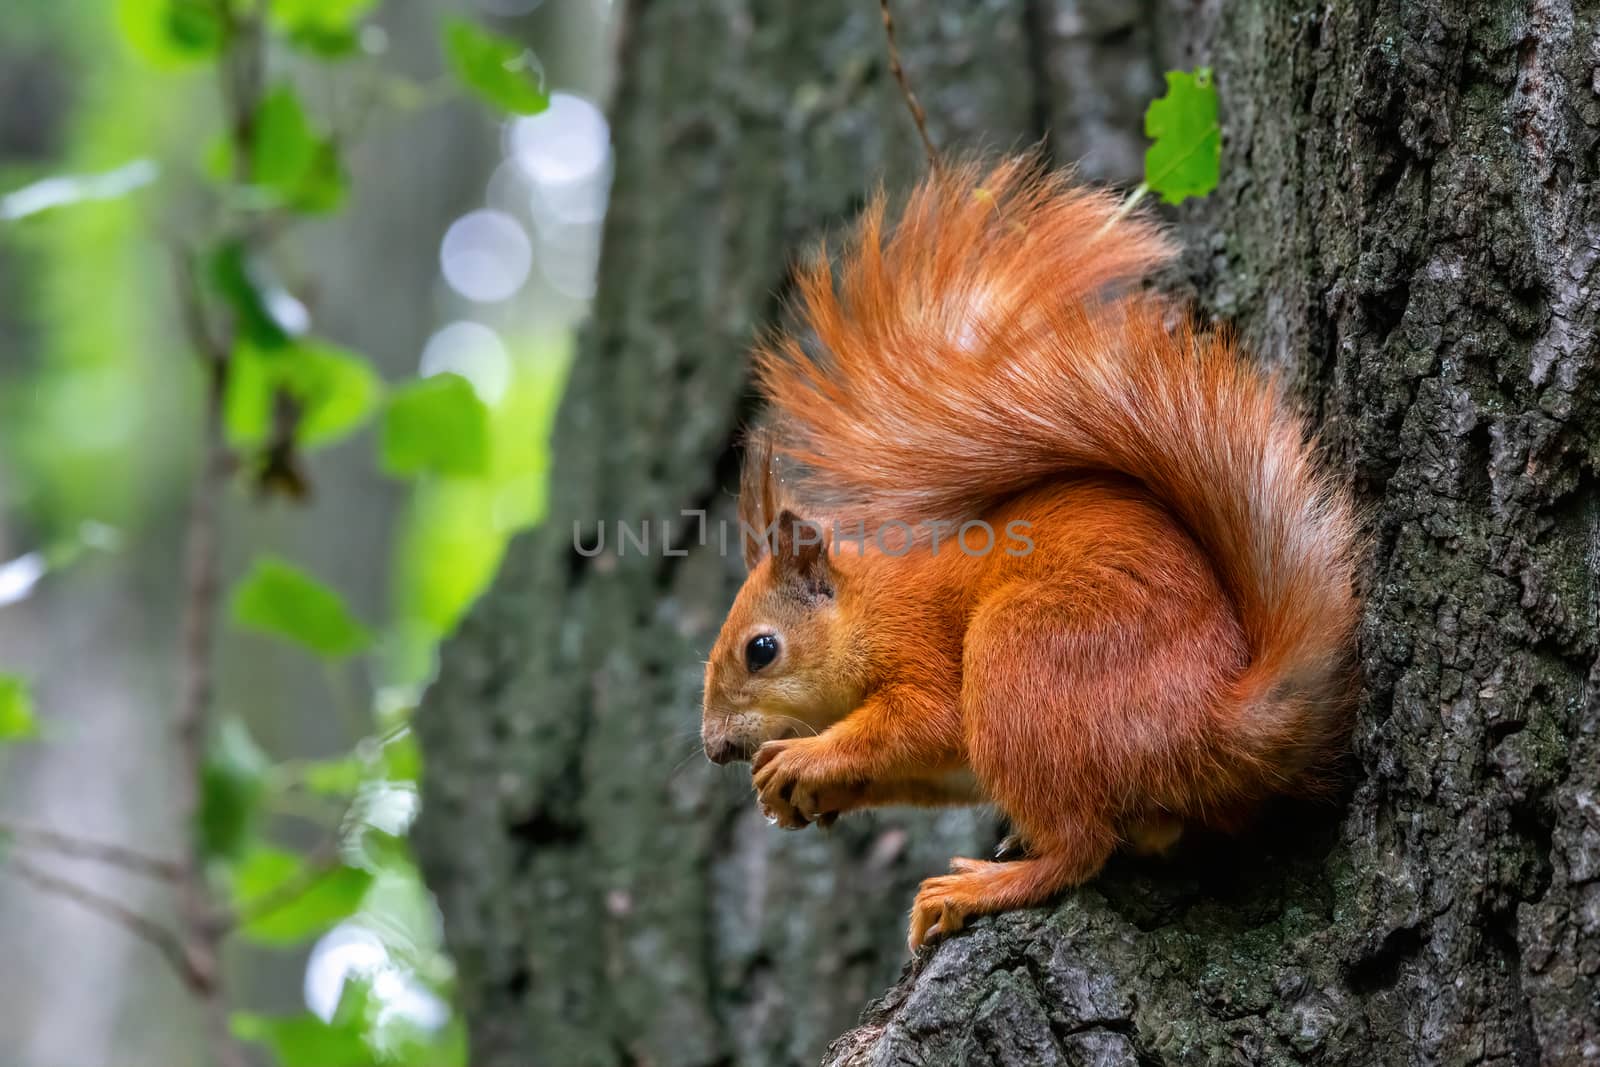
(129, 859)
(241, 82)
(192, 307)
(200, 586)
(191, 970)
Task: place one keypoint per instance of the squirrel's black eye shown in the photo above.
(762, 650)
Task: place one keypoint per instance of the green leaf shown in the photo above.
(1185, 159)
(278, 598)
(322, 14)
(435, 425)
(498, 69)
(402, 759)
(337, 392)
(358, 1035)
(232, 781)
(230, 273)
(323, 186)
(289, 901)
(447, 561)
(445, 1048)
(304, 1040)
(172, 33)
(335, 777)
(361, 1034)
(325, 44)
(322, 27)
(288, 156)
(17, 722)
(282, 143)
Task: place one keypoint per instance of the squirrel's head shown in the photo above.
(781, 665)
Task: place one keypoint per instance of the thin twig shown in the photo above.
(241, 79)
(165, 941)
(295, 801)
(917, 114)
(192, 306)
(241, 85)
(201, 582)
(129, 859)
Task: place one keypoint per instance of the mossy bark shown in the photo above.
(1410, 225)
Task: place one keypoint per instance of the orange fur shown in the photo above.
(1175, 646)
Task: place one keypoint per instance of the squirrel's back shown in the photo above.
(989, 342)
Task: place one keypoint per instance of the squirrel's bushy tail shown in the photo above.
(978, 347)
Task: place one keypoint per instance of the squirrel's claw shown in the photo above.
(793, 790)
(764, 755)
(1011, 847)
(775, 786)
(936, 913)
(781, 812)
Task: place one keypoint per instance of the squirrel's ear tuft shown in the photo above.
(758, 495)
(800, 555)
(755, 547)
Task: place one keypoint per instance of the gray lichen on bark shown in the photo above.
(1409, 225)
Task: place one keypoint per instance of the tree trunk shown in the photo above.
(1409, 223)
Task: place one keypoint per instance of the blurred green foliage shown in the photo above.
(498, 69)
(233, 782)
(320, 27)
(112, 414)
(279, 598)
(283, 898)
(356, 1034)
(335, 391)
(172, 33)
(99, 284)
(435, 426)
(17, 721)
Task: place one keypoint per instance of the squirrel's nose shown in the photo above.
(723, 750)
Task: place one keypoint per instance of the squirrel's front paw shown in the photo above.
(797, 787)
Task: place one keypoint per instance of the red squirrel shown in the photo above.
(1167, 641)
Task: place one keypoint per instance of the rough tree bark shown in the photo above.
(1409, 224)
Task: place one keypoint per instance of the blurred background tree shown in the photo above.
(310, 193)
